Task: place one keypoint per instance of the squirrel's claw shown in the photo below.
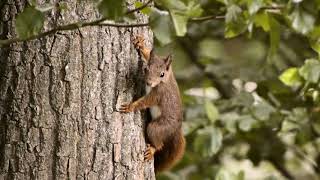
(148, 154)
(138, 42)
(125, 108)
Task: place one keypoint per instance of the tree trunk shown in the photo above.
(59, 97)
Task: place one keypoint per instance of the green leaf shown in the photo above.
(161, 26)
(262, 20)
(246, 122)
(254, 6)
(111, 9)
(235, 22)
(262, 111)
(189, 126)
(180, 12)
(169, 4)
(310, 71)
(291, 77)
(241, 175)
(274, 37)
(229, 120)
(244, 99)
(315, 45)
(212, 111)
(234, 29)
(315, 33)
(27, 26)
(302, 21)
(233, 13)
(194, 9)
(208, 141)
(223, 175)
(180, 22)
(146, 10)
(225, 2)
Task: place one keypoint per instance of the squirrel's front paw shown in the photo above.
(125, 108)
(138, 42)
(148, 154)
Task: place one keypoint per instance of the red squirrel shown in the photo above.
(164, 133)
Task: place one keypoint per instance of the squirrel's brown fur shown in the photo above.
(164, 132)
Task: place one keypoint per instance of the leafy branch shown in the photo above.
(77, 25)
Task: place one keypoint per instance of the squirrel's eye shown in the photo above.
(162, 74)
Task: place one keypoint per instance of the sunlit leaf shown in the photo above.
(169, 4)
(243, 99)
(208, 141)
(161, 26)
(234, 29)
(189, 126)
(210, 93)
(230, 120)
(180, 22)
(111, 9)
(315, 33)
(310, 71)
(262, 110)
(194, 9)
(254, 5)
(27, 26)
(262, 20)
(316, 46)
(223, 175)
(246, 122)
(212, 111)
(302, 21)
(233, 13)
(235, 23)
(291, 77)
(146, 10)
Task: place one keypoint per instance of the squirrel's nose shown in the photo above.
(148, 83)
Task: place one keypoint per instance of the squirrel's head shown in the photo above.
(158, 69)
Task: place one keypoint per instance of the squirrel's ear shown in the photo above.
(168, 61)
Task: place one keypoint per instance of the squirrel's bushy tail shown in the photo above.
(170, 154)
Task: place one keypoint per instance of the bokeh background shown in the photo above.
(251, 103)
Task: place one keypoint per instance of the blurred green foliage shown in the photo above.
(249, 75)
(261, 121)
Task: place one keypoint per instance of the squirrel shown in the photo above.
(166, 142)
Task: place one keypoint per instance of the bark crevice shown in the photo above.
(59, 97)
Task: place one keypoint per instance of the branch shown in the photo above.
(282, 169)
(77, 25)
(124, 25)
(205, 18)
(271, 9)
(67, 28)
(139, 8)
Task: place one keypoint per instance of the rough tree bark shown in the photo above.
(59, 95)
